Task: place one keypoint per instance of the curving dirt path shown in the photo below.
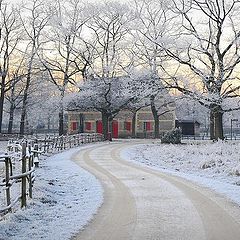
(144, 204)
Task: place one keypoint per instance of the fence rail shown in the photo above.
(25, 154)
(205, 137)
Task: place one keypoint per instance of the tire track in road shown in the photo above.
(117, 216)
(144, 204)
(218, 223)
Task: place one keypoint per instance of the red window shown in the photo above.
(147, 126)
(74, 126)
(127, 126)
(88, 125)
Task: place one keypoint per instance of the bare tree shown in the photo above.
(109, 27)
(34, 19)
(14, 96)
(10, 37)
(153, 21)
(69, 54)
(140, 91)
(205, 50)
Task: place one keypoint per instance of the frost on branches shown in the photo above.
(205, 49)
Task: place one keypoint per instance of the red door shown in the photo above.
(148, 126)
(99, 126)
(115, 129)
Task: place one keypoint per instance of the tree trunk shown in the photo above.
(60, 124)
(134, 118)
(105, 124)
(48, 124)
(81, 123)
(24, 105)
(156, 127)
(218, 124)
(25, 94)
(61, 116)
(11, 115)
(212, 134)
(155, 117)
(110, 121)
(2, 100)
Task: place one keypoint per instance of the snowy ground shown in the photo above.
(215, 165)
(3, 146)
(65, 198)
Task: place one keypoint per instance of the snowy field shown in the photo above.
(65, 198)
(214, 165)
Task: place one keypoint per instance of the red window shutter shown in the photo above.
(88, 125)
(148, 126)
(74, 126)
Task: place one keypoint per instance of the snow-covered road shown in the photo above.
(145, 204)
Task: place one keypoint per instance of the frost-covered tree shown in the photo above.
(34, 19)
(148, 91)
(109, 31)
(67, 61)
(205, 53)
(152, 22)
(105, 95)
(140, 86)
(43, 114)
(14, 95)
(10, 35)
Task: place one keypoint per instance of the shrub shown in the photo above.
(236, 171)
(173, 136)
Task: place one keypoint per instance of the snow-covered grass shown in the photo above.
(3, 146)
(215, 165)
(65, 198)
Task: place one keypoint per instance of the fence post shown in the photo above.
(44, 146)
(48, 142)
(70, 141)
(30, 165)
(8, 195)
(61, 142)
(35, 156)
(24, 182)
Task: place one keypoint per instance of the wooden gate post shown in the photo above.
(7, 178)
(24, 180)
(30, 166)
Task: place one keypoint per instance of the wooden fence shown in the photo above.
(25, 154)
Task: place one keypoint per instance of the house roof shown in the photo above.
(188, 121)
